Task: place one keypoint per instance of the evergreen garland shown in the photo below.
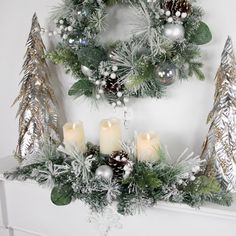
(71, 175)
(139, 61)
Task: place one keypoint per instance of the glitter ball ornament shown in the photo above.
(174, 32)
(166, 74)
(104, 172)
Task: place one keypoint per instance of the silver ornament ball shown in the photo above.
(104, 172)
(166, 74)
(174, 32)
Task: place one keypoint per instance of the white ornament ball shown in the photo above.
(61, 22)
(104, 172)
(192, 178)
(114, 68)
(168, 13)
(50, 34)
(186, 175)
(70, 28)
(113, 104)
(61, 27)
(178, 13)
(170, 20)
(97, 82)
(65, 36)
(106, 73)
(126, 100)
(98, 96)
(195, 169)
(55, 21)
(162, 11)
(113, 76)
(174, 32)
(119, 103)
(55, 32)
(71, 40)
(100, 91)
(184, 15)
(119, 94)
(180, 182)
(103, 82)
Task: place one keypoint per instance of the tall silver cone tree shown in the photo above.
(219, 149)
(37, 111)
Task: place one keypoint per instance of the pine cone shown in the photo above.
(117, 161)
(182, 6)
(112, 86)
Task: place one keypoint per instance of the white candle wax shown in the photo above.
(148, 145)
(110, 136)
(74, 135)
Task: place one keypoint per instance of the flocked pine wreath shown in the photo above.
(163, 47)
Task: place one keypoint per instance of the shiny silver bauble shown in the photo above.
(104, 172)
(174, 32)
(166, 74)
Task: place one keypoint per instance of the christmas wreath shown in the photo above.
(163, 46)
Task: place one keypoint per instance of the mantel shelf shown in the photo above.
(7, 164)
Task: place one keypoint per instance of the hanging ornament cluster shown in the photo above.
(116, 70)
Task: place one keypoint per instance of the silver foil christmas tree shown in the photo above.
(219, 149)
(37, 111)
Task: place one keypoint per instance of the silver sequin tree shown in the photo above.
(37, 112)
(219, 149)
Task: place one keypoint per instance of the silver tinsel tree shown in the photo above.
(37, 111)
(219, 149)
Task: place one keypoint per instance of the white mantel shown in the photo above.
(26, 210)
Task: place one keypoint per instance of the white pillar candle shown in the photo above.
(74, 135)
(110, 136)
(148, 145)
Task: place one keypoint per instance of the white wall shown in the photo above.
(179, 118)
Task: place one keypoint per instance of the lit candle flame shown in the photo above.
(148, 136)
(73, 126)
(109, 124)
